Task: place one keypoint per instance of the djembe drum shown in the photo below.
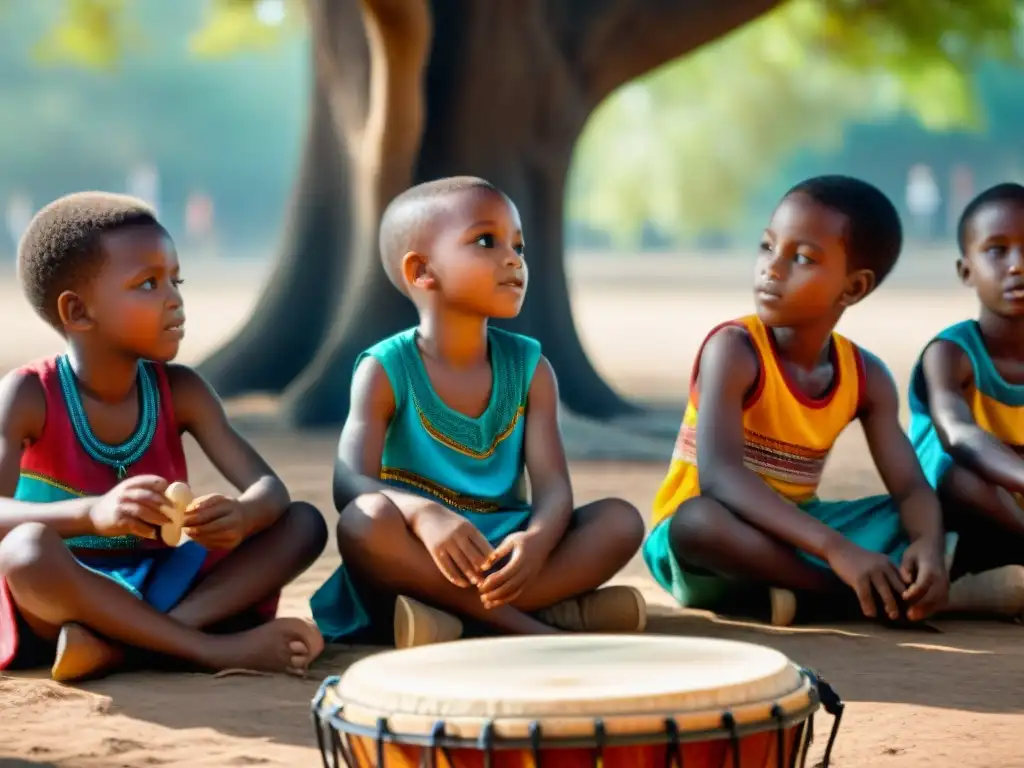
(573, 701)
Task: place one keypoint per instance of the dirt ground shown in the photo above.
(914, 698)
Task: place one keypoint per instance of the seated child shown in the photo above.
(89, 441)
(444, 418)
(967, 410)
(769, 395)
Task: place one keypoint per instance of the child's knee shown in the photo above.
(370, 523)
(698, 524)
(624, 523)
(306, 525)
(29, 549)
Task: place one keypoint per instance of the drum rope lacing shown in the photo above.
(332, 719)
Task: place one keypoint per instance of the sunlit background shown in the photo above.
(203, 114)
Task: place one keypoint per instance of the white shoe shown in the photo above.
(608, 609)
(419, 624)
(999, 591)
(783, 603)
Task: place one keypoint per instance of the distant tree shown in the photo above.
(407, 90)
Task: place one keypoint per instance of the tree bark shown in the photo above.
(505, 96)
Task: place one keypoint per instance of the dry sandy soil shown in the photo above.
(914, 699)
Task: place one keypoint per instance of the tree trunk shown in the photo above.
(291, 315)
(505, 95)
(514, 125)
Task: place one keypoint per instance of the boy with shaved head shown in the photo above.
(447, 421)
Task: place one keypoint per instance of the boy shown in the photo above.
(444, 418)
(967, 410)
(770, 393)
(89, 442)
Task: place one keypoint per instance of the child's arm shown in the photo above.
(894, 456)
(215, 520)
(947, 369)
(456, 546)
(550, 488)
(361, 445)
(728, 372)
(923, 568)
(22, 416)
(551, 495)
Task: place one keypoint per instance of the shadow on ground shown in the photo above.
(963, 667)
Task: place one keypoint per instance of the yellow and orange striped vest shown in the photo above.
(787, 435)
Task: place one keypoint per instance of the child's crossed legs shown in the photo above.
(377, 545)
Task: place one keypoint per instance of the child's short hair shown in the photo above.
(60, 248)
(409, 211)
(875, 235)
(1008, 192)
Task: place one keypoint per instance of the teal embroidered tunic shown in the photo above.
(474, 466)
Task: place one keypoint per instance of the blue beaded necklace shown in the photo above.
(119, 457)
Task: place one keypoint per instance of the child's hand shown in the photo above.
(924, 570)
(506, 584)
(216, 522)
(458, 549)
(132, 507)
(868, 573)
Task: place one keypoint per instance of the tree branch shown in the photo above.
(398, 40)
(370, 56)
(341, 57)
(399, 34)
(620, 40)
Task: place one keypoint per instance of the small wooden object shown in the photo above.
(180, 496)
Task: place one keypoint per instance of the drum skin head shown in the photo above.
(633, 683)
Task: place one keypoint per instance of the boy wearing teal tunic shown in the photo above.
(967, 410)
(447, 422)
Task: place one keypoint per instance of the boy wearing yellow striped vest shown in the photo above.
(769, 395)
(967, 410)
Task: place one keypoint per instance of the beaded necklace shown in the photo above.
(119, 457)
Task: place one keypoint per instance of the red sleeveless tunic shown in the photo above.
(56, 467)
(59, 459)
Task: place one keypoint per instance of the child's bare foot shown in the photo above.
(82, 655)
(282, 645)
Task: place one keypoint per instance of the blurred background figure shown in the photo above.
(18, 214)
(144, 183)
(923, 200)
(961, 190)
(199, 228)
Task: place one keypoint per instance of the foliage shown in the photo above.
(96, 33)
(683, 147)
(231, 25)
(93, 33)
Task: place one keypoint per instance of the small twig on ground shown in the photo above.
(239, 671)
